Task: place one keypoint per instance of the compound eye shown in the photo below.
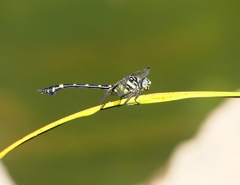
(145, 83)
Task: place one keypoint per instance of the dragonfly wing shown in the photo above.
(108, 92)
(142, 74)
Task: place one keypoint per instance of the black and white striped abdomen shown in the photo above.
(53, 89)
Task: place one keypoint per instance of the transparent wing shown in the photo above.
(143, 73)
(110, 91)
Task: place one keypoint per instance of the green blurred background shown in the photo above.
(189, 45)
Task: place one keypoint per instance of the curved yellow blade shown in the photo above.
(144, 99)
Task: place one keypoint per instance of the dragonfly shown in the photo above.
(128, 87)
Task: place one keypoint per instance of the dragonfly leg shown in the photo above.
(120, 100)
(129, 97)
(136, 97)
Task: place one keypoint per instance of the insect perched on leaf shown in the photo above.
(128, 87)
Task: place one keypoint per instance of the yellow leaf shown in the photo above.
(144, 99)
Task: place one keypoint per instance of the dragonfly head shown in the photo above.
(145, 84)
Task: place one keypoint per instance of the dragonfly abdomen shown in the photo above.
(53, 89)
